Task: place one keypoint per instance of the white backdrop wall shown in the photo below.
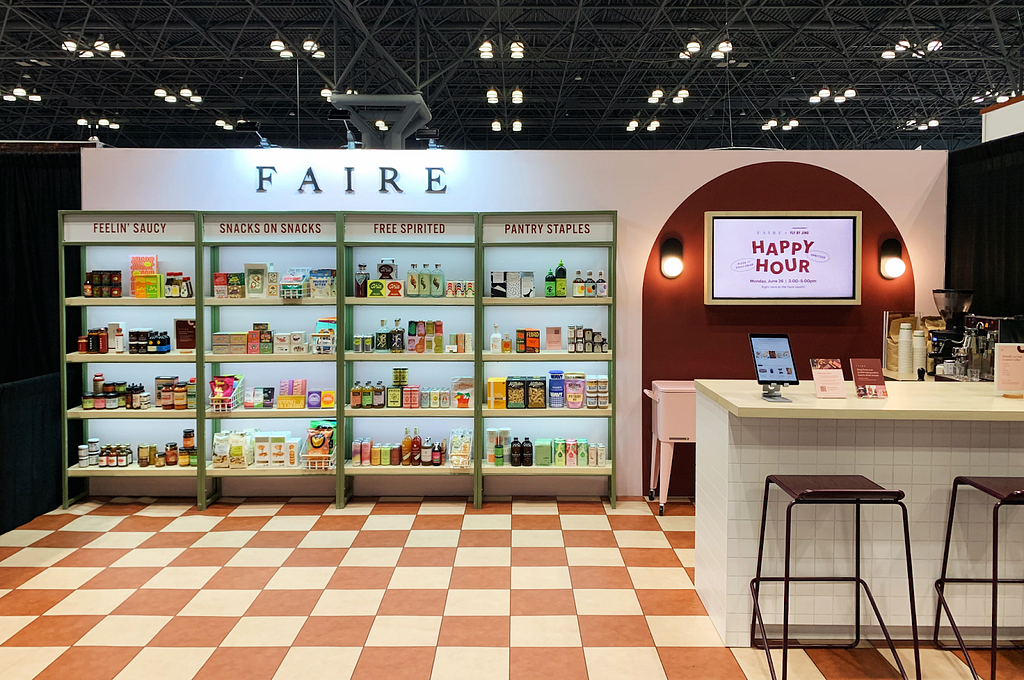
(644, 187)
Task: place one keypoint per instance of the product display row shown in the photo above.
(415, 451)
(503, 449)
(553, 391)
(111, 394)
(417, 283)
(239, 450)
(401, 394)
(520, 284)
(262, 340)
(146, 281)
(262, 281)
(422, 337)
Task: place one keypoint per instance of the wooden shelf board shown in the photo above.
(267, 358)
(78, 413)
(548, 412)
(543, 470)
(408, 413)
(174, 357)
(271, 302)
(267, 472)
(412, 301)
(546, 302)
(407, 356)
(132, 470)
(273, 413)
(80, 301)
(548, 356)
(410, 470)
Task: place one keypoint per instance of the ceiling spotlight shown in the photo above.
(902, 46)
(83, 122)
(101, 45)
(379, 123)
(486, 55)
(684, 55)
(115, 126)
(287, 54)
(19, 92)
(87, 54)
(486, 46)
(657, 93)
(220, 122)
(656, 123)
(839, 99)
(103, 122)
(517, 50)
(308, 45)
(773, 123)
(850, 93)
(496, 126)
(34, 97)
(1002, 99)
(977, 100)
(517, 96)
(693, 45)
(814, 99)
(923, 126)
(678, 100)
(319, 54)
(933, 123)
(69, 46)
(196, 99)
(117, 53)
(10, 98)
(718, 54)
(888, 54)
(170, 99)
(934, 45)
(326, 92)
(652, 128)
(185, 92)
(725, 46)
(766, 127)
(517, 126)
(229, 126)
(684, 93)
(787, 128)
(159, 92)
(911, 123)
(824, 92)
(277, 44)
(652, 100)
(918, 53)
(794, 123)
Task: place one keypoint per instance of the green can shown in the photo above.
(582, 453)
(559, 451)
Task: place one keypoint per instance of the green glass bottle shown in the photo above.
(560, 287)
(550, 285)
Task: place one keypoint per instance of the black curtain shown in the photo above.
(33, 187)
(985, 225)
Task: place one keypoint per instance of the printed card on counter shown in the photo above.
(1009, 373)
(867, 376)
(828, 379)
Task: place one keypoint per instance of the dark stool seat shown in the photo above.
(1006, 491)
(855, 490)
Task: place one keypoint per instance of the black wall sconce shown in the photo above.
(671, 258)
(890, 259)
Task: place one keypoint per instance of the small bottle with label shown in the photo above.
(437, 282)
(590, 284)
(527, 452)
(601, 286)
(412, 282)
(560, 287)
(579, 286)
(506, 345)
(406, 448)
(495, 341)
(397, 338)
(382, 340)
(361, 277)
(425, 281)
(549, 284)
(378, 395)
(427, 452)
(517, 452)
(499, 455)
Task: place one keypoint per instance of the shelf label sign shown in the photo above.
(548, 228)
(141, 228)
(399, 228)
(281, 228)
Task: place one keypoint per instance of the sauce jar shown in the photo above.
(111, 399)
(83, 344)
(167, 397)
(161, 459)
(97, 382)
(180, 397)
(170, 454)
(188, 439)
(88, 401)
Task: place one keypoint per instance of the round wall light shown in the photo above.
(891, 262)
(671, 258)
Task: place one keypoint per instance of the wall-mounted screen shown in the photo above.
(793, 258)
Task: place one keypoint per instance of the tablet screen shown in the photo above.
(773, 359)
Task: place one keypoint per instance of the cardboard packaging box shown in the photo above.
(526, 284)
(220, 285)
(498, 286)
(553, 338)
(542, 452)
(496, 393)
(513, 285)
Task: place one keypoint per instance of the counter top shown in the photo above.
(907, 401)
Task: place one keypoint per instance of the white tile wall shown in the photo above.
(734, 455)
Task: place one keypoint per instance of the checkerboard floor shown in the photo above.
(139, 589)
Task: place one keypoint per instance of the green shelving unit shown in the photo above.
(200, 232)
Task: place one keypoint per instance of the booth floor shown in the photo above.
(405, 589)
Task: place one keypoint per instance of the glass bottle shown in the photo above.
(425, 278)
(412, 282)
(415, 447)
(527, 452)
(382, 340)
(506, 345)
(495, 341)
(378, 395)
(549, 284)
(438, 337)
(601, 286)
(579, 286)
(437, 282)
(560, 287)
(366, 395)
(590, 284)
(406, 448)
(361, 277)
(516, 452)
(397, 338)
(355, 396)
(427, 452)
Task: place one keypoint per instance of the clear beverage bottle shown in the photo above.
(406, 448)
(437, 282)
(560, 287)
(495, 341)
(361, 277)
(601, 286)
(412, 282)
(416, 447)
(579, 286)
(367, 395)
(397, 338)
(527, 452)
(517, 452)
(425, 281)
(355, 396)
(378, 395)
(506, 345)
(382, 340)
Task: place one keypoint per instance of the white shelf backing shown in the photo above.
(544, 470)
(174, 357)
(408, 413)
(271, 302)
(549, 356)
(267, 472)
(411, 470)
(268, 358)
(132, 470)
(408, 356)
(257, 413)
(80, 301)
(548, 412)
(78, 413)
(412, 301)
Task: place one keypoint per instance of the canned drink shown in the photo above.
(435, 398)
(375, 455)
(425, 398)
(366, 451)
(357, 343)
(602, 455)
(559, 450)
(449, 290)
(357, 456)
(469, 289)
(400, 375)
(571, 451)
(367, 343)
(460, 289)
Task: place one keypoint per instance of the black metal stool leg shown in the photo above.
(940, 585)
(760, 559)
(856, 585)
(785, 594)
(995, 586)
(910, 583)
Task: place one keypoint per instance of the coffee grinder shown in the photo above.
(953, 305)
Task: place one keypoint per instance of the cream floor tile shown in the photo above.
(25, 663)
(623, 663)
(318, 663)
(470, 663)
(219, 603)
(610, 602)
(290, 523)
(685, 556)
(166, 663)
(683, 631)
(328, 539)
(754, 664)
(371, 557)
(164, 510)
(404, 631)
(256, 509)
(123, 631)
(420, 577)
(578, 499)
(77, 508)
(483, 557)
(400, 499)
(532, 538)
(540, 577)
(36, 557)
(89, 602)
(192, 578)
(352, 508)
(641, 539)
(60, 578)
(594, 557)
(193, 523)
(585, 523)
(259, 557)
(121, 539)
(936, 664)
(433, 538)
(544, 631)
(389, 522)
(478, 603)
(659, 578)
(677, 523)
(21, 538)
(9, 625)
(264, 631)
(224, 539)
(93, 523)
(300, 578)
(311, 499)
(628, 508)
(489, 522)
(4, 591)
(528, 507)
(148, 557)
(444, 507)
(348, 603)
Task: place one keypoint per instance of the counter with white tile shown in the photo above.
(917, 440)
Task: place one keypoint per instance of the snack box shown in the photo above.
(532, 340)
(327, 399)
(266, 348)
(515, 392)
(313, 399)
(291, 401)
(526, 284)
(252, 348)
(221, 339)
(542, 452)
(221, 349)
(536, 392)
(300, 348)
(496, 393)
(240, 338)
(261, 326)
(513, 285)
(285, 387)
(299, 386)
(220, 285)
(498, 285)
(252, 336)
(237, 349)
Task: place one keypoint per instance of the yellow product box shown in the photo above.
(288, 401)
(496, 393)
(222, 349)
(222, 339)
(327, 399)
(241, 338)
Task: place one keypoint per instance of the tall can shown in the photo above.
(357, 457)
(559, 452)
(602, 455)
(571, 453)
(492, 440)
(366, 451)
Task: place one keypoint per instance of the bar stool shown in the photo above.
(853, 490)
(1006, 491)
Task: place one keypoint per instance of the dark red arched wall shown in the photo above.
(686, 340)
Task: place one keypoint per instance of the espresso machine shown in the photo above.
(948, 344)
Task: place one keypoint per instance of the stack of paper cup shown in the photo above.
(906, 349)
(920, 353)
